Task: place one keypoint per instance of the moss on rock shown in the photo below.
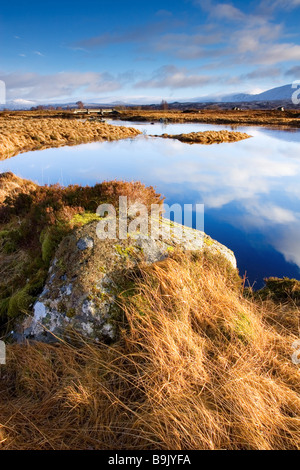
(85, 280)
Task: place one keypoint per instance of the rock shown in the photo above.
(84, 243)
(87, 272)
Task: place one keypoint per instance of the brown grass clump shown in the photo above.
(24, 133)
(261, 117)
(33, 221)
(196, 367)
(207, 137)
(11, 185)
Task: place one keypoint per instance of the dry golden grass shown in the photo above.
(33, 221)
(22, 133)
(288, 118)
(207, 137)
(11, 185)
(197, 367)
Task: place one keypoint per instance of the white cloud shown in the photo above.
(173, 77)
(61, 85)
(272, 213)
(229, 12)
(189, 46)
(253, 38)
(259, 40)
(261, 72)
(277, 53)
(280, 4)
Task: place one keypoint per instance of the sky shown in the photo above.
(133, 51)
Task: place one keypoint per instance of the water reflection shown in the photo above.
(250, 188)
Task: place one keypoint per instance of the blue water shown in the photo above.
(250, 189)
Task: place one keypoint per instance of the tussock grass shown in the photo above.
(207, 137)
(22, 133)
(197, 366)
(11, 185)
(33, 221)
(288, 119)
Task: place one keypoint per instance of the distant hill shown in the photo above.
(282, 93)
(279, 96)
(19, 104)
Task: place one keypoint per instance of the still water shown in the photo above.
(250, 189)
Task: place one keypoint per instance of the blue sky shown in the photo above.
(105, 50)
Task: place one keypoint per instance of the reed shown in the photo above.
(197, 366)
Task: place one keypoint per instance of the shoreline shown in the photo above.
(290, 118)
(283, 119)
(30, 134)
(186, 315)
(25, 131)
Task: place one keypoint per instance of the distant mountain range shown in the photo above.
(278, 94)
(19, 104)
(282, 93)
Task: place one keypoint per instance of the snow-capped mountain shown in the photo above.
(282, 93)
(19, 104)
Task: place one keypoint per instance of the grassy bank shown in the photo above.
(274, 118)
(33, 221)
(197, 367)
(207, 137)
(200, 362)
(25, 132)
(287, 119)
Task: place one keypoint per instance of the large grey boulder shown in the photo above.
(87, 272)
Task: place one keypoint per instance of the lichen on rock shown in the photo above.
(85, 243)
